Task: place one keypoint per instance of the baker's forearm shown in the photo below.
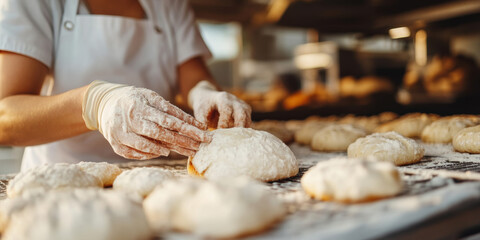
(191, 73)
(27, 120)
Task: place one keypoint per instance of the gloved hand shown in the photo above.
(138, 123)
(218, 109)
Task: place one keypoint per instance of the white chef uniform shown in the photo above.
(79, 48)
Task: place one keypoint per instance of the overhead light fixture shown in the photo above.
(399, 32)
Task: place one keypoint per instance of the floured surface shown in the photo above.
(424, 197)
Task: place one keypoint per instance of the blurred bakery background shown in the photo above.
(290, 59)
(293, 59)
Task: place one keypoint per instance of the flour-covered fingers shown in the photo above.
(175, 125)
(145, 145)
(154, 131)
(165, 106)
(130, 153)
(225, 119)
(242, 118)
(180, 150)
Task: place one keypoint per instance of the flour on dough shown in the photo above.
(244, 152)
(410, 125)
(443, 130)
(226, 209)
(103, 170)
(77, 214)
(51, 177)
(389, 146)
(467, 140)
(305, 134)
(141, 181)
(336, 137)
(352, 180)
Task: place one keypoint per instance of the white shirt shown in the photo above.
(33, 28)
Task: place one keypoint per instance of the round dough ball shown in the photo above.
(78, 214)
(367, 123)
(294, 125)
(387, 117)
(410, 125)
(352, 180)
(336, 137)
(443, 130)
(467, 140)
(50, 177)
(226, 209)
(103, 170)
(305, 134)
(390, 147)
(243, 152)
(141, 181)
(11, 206)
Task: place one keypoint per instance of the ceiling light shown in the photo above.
(400, 32)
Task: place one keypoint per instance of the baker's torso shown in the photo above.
(137, 52)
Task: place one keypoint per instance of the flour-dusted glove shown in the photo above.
(218, 109)
(138, 123)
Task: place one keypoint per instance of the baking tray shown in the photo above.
(442, 184)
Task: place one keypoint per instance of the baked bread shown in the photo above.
(391, 147)
(213, 209)
(352, 180)
(336, 137)
(243, 152)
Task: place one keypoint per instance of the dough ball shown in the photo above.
(352, 180)
(336, 137)
(276, 128)
(387, 116)
(367, 123)
(243, 152)
(77, 214)
(390, 147)
(305, 134)
(226, 209)
(11, 206)
(105, 171)
(141, 181)
(294, 125)
(443, 130)
(410, 125)
(50, 177)
(467, 140)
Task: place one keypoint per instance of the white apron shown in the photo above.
(137, 52)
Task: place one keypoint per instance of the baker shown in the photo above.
(115, 69)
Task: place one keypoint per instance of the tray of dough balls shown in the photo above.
(329, 178)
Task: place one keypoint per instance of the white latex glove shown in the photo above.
(138, 123)
(218, 109)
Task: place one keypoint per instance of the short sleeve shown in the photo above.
(188, 39)
(26, 28)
